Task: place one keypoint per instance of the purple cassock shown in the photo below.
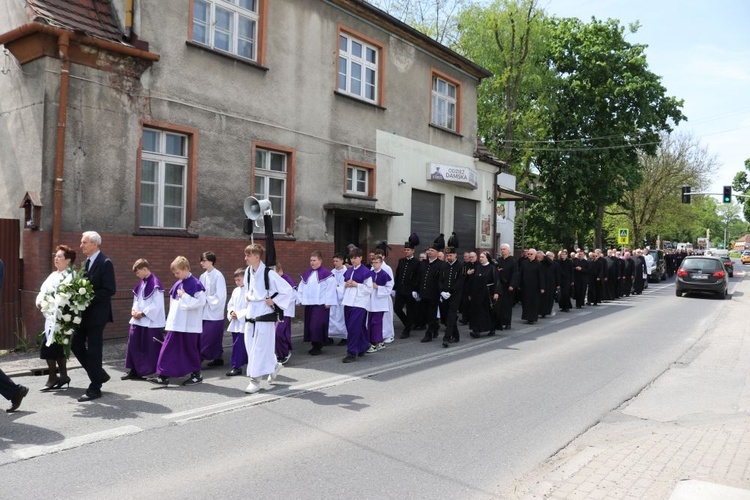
(317, 315)
(180, 354)
(284, 328)
(143, 351)
(357, 339)
(375, 319)
(212, 338)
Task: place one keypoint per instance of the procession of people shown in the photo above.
(353, 302)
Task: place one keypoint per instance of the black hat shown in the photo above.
(452, 243)
(439, 243)
(413, 241)
(383, 245)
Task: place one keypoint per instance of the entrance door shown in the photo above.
(425, 216)
(346, 230)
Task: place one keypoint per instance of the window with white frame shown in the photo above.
(357, 180)
(164, 165)
(270, 183)
(358, 68)
(444, 103)
(227, 25)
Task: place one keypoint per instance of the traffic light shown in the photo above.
(727, 194)
(686, 194)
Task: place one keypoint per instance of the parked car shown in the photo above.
(728, 264)
(701, 273)
(745, 257)
(658, 271)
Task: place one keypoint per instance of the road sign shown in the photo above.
(622, 237)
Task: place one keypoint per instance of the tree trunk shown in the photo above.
(598, 227)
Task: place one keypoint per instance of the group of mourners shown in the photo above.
(352, 301)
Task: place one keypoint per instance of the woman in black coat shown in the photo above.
(483, 293)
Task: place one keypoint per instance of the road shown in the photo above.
(412, 421)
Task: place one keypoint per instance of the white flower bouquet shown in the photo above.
(72, 296)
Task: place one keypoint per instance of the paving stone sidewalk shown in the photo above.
(686, 436)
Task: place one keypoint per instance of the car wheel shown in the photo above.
(678, 293)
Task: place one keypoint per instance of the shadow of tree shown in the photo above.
(15, 433)
(346, 401)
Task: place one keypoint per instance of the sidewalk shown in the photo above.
(686, 436)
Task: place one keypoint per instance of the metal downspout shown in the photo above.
(62, 117)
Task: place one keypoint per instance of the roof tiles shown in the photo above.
(95, 18)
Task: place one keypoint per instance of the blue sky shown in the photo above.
(701, 49)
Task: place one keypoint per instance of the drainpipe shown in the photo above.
(495, 248)
(62, 117)
(128, 20)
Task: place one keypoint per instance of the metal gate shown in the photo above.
(425, 216)
(10, 283)
(465, 223)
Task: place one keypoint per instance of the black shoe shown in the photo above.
(491, 333)
(234, 372)
(434, 334)
(445, 343)
(158, 380)
(15, 401)
(329, 341)
(405, 335)
(195, 378)
(343, 342)
(105, 378)
(315, 351)
(506, 327)
(453, 340)
(420, 327)
(427, 338)
(361, 354)
(463, 322)
(216, 362)
(61, 381)
(131, 375)
(474, 335)
(349, 358)
(90, 396)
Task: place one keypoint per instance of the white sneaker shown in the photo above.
(276, 370)
(372, 349)
(253, 387)
(388, 340)
(380, 346)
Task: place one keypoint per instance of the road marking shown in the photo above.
(75, 442)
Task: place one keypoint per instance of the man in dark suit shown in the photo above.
(88, 340)
(406, 283)
(12, 392)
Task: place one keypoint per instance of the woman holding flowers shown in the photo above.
(51, 350)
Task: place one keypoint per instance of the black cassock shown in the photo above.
(484, 284)
(565, 282)
(531, 283)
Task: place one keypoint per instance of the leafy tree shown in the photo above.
(435, 18)
(741, 184)
(507, 38)
(609, 109)
(655, 206)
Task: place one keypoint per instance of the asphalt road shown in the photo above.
(412, 421)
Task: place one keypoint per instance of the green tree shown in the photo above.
(609, 108)
(655, 206)
(507, 38)
(741, 184)
(435, 18)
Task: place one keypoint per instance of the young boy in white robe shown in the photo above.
(212, 339)
(388, 331)
(180, 353)
(261, 316)
(336, 324)
(236, 309)
(380, 303)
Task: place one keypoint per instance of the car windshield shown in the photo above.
(702, 265)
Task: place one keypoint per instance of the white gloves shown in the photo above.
(445, 295)
(416, 296)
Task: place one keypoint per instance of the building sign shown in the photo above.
(460, 176)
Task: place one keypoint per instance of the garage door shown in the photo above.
(465, 223)
(425, 216)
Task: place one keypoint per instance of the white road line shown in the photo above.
(75, 442)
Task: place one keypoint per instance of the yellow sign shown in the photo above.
(622, 238)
